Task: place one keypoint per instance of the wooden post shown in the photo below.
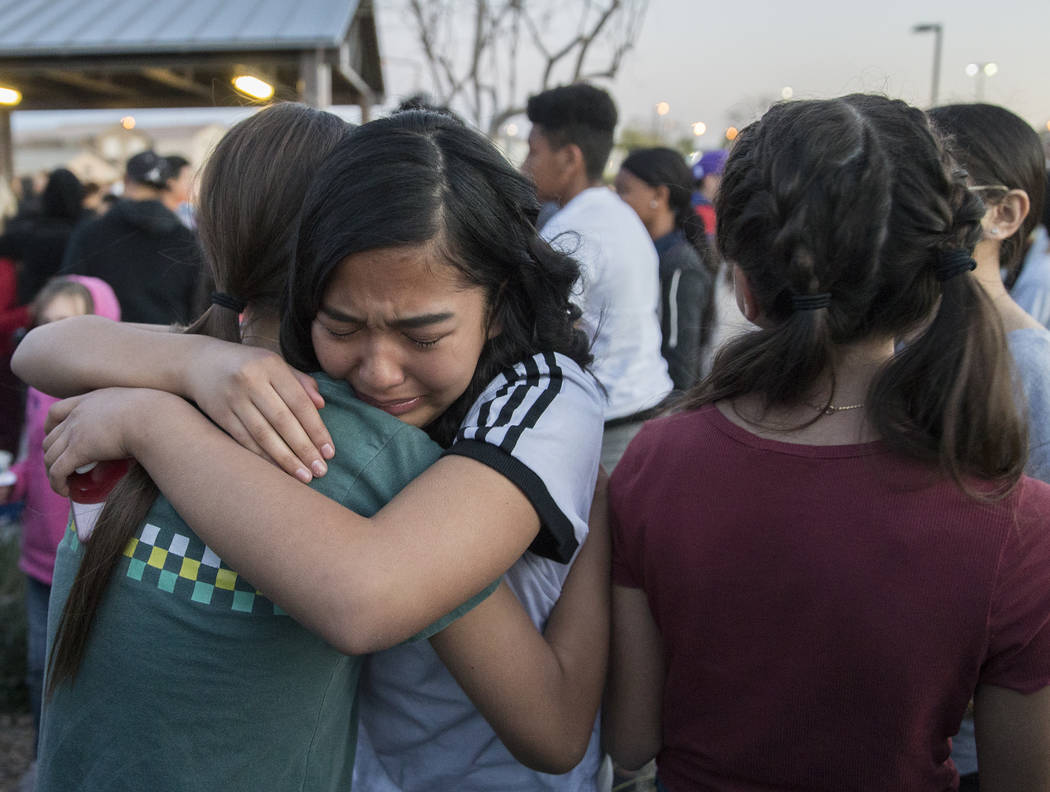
(7, 148)
(316, 76)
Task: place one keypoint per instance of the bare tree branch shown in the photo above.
(474, 52)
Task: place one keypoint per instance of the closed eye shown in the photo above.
(338, 333)
(423, 343)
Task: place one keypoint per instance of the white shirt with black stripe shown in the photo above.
(540, 425)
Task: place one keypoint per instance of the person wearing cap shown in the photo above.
(707, 176)
(141, 249)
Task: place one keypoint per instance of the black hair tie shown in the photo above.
(810, 302)
(953, 262)
(226, 301)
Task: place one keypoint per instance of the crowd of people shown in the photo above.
(733, 472)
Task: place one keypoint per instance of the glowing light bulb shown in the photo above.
(253, 87)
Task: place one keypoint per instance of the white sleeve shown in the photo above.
(540, 425)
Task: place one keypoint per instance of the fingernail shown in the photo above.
(304, 475)
(319, 468)
(327, 451)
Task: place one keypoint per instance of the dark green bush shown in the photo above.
(13, 695)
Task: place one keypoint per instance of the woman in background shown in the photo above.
(657, 184)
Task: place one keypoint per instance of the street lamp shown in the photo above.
(938, 32)
(980, 71)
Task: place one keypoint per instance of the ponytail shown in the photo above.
(125, 510)
(948, 396)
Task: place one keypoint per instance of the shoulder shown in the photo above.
(1030, 349)
(1033, 502)
(89, 228)
(667, 440)
(348, 417)
(547, 386)
(1029, 344)
(680, 255)
(377, 454)
(539, 424)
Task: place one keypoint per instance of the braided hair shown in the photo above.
(855, 198)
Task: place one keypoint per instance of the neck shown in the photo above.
(661, 225)
(856, 366)
(261, 329)
(1012, 315)
(141, 192)
(576, 185)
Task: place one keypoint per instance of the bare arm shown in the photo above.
(82, 353)
(1013, 739)
(631, 722)
(539, 693)
(361, 583)
(243, 389)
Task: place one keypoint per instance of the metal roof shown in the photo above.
(85, 54)
(31, 28)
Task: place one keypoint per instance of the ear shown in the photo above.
(573, 158)
(663, 194)
(1004, 217)
(745, 297)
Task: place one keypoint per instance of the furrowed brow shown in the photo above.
(407, 323)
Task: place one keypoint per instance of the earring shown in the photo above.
(653, 204)
(993, 231)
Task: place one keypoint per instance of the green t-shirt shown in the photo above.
(192, 678)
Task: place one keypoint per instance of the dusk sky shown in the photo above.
(716, 62)
(706, 59)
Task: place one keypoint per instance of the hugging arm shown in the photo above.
(245, 390)
(363, 584)
(540, 693)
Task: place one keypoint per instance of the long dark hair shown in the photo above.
(418, 177)
(996, 147)
(855, 197)
(252, 192)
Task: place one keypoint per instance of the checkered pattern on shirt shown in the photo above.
(186, 567)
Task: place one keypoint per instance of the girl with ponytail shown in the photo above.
(657, 184)
(836, 521)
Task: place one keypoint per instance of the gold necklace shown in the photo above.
(831, 409)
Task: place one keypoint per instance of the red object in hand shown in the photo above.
(95, 483)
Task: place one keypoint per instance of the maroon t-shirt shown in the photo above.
(826, 611)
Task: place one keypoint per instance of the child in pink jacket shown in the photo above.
(46, 514)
